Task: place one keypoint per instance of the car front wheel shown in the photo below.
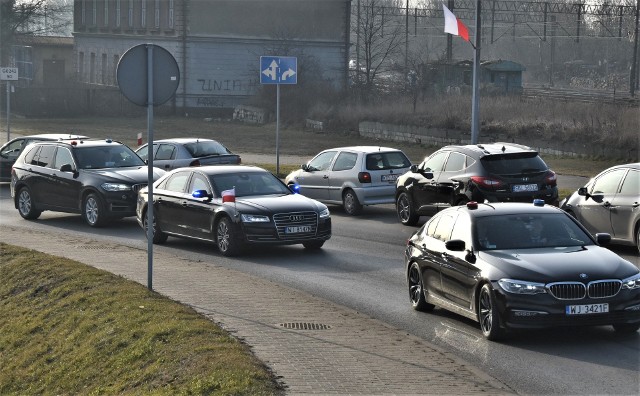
(227, 237)
(351, 204)
(313, 245)
(406, 213)
(416, 290)
(159, 237)
(26, 206)
(488, 315)
(93, 210)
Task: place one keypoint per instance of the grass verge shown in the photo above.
(67, 328)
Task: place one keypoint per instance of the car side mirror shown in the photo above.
(67, 168)
(583, 191)
(202, 194)
(414, 168)
(305, 167)
(455, 245)
(603, 238)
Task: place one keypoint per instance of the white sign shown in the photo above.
(9, 73)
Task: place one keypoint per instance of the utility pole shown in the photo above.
(634, 63)
(475, 101)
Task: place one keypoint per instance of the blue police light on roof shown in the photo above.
(538, 202)
(295, 188)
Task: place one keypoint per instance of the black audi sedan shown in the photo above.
(99, 179)
(517, 265)
(233, 206)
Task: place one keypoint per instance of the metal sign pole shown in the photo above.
(277, 129)
(8, 110)
(150, 219)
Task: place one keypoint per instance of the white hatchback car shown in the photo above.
(351, 176)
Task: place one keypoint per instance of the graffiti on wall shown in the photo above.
(209, 85)
(209, 101)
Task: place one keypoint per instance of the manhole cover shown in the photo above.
(305, 326)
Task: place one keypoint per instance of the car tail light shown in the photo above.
(486, 182)
(551, 178)
(364, 177)
(195, 163)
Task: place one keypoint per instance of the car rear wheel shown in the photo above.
(26, 206)
(488, 315)
(227, 237)
(93, 210)
(416, 290)
(159, 237)
(626, 328)
(350, 202)
(406, 213)
(313, 245)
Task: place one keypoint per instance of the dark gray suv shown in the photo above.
(455, 175)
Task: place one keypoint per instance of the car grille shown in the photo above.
(296, 219)
(138, 187)
(577, 290)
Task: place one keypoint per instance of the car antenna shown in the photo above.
(503, 149)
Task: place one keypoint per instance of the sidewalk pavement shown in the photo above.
(312, 345)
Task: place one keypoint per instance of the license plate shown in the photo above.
(298, 229)
(587, 309)
(389, 178)
(525, 187)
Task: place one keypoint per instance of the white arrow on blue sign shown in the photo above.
(278, 70)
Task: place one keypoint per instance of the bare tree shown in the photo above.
(379, 30)
(32, 17)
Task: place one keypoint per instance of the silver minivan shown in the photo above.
(351, 176)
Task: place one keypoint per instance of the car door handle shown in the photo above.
(325, 177)
(635, 205)
(184, 203)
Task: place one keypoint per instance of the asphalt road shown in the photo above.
(361, 267)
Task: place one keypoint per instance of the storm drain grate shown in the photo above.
(95, 247)
(305, 326)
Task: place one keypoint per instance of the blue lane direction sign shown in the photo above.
(278, 70)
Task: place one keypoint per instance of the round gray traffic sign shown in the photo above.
(132, 74)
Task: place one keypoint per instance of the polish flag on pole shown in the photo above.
(453, 25)
(229, 195)
(139, 138)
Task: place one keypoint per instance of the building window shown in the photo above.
(92, 68)
(106, 12)
(170, 21)
(117, 13)
(130, 13)
(156, 19)
(83, 13)
(81, 67)
(116, 60)
(94, 14)
(103, 67)
(143, 14)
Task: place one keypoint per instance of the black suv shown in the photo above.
(98, 178)
(455, 175)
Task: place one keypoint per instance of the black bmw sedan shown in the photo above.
(233, 206)
(517, 265)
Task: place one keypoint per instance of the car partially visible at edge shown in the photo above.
(610, 202)
(175, 153)
(11, 150)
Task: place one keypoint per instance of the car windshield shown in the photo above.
(113, 156)
(205, 148)
(249, 183)
(514, 164)
(525, 231)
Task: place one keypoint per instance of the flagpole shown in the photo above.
(475, 117)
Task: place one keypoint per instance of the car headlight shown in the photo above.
(521, 287)
(249, 218)
(115, 187)
(631, 282)
(324, 213)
